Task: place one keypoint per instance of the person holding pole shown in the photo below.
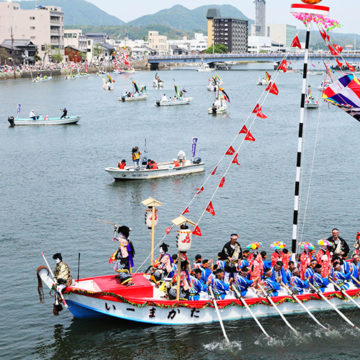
(297, 285)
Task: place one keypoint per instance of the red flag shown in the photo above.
(168, 229)
(351, 68)
(338, 48)
(324, 35)
(197, 231)
(185, 211)
(244, 130)
(339, 63)
(230, 151)
(296, 42)
(358, 236)
(235, 160)
(272, 88)
(214, 171)
(249, 137)
(332, 51)
(256, 108)
(210, 209)
(199, 190)
(222, 181)
(283, 66)
(261, 115)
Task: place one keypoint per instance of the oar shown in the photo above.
(356, 280)
(106, 222)
(238, 295)
(303, 306)
(277, 309)
(218, 314)
(52, 274)
(344, 293)
(334, 307)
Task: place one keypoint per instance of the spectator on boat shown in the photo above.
(220, 288)
(339, 245)
(196, 285)
(297, 285)
(136, 156)
(243, 284)
(181, 157)
(279, 273)
(122, 164)
(33, 115)
(318, 281)
(164, 98)
(64, 114)
(198, 261)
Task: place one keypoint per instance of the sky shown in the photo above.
(277, 11)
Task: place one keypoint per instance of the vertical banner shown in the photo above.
(18, 109)
(193, 148)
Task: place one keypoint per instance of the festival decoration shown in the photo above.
(254, 246)
(272, 88)
(210, 209)
(230, 151)
(278, 245)
(214, 171)
(256, 109)
(324, 242)
(340, 64)
(185, 211)
(235, 159)
(183, 238)
(306, 246)
(296, 42)
(222, 182)
(312, 2)
(260, 114)
(283, 66)
(168, 229)
(199, 190)
(197, 231)
(249, 137)
(243, 130)
(149, 217)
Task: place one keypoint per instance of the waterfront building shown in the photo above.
(19, 51)
(158, 43)
(282, 34)
(185, 45)
(259, 28)
(43, 26)
(76, 39)
(210, 16)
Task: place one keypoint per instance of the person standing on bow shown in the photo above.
(135, 154)
(338, 245)
(64, 114)
(231, 252)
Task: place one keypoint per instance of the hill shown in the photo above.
(180, 17)
(77, 12)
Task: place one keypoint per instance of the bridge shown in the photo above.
(211, 59)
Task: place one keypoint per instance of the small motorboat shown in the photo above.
(41, 79)
(178, 99)
(157, 82)
(214, 83)
(219, 106)
(204, 68)
(43, 120)
(265, 80)
(311, 103)
(136, 95)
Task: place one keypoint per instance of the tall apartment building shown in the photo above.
(282, 34)
(44, 26)
(158, 42)
(211, 15)
(259, 29)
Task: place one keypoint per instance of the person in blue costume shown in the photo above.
(196, 285)
(279, 274)
(198, 261)
(355, 270)
(219, 286)
(310, 271)
(267, 263)
(289, 271)
(221, 262)
(340, 278)
(296, 284)
(318, 281)
(205, 270)
(243, 284)
(272, 287)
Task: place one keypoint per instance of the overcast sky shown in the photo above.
(277, 11)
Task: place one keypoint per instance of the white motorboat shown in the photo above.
(157, 83)
(174, 101)
(165, 169)
(41, 79)
(43, 120)
(214, 83)
(217, 109)
(133, 97)
(205, 68)
(311, 103)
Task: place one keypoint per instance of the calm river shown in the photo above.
(53, 188)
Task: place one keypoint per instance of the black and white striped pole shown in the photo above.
(306, 10)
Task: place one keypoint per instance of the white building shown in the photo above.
(198, 44)
(158, 43)
(76, 39)
(259, 28)
(282, 34)
(44, 26)
(258, 44)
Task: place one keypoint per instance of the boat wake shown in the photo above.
(223, 345)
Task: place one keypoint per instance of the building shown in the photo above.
(185, 45)
(20, 51)
(75, 39)
(259, 28)
(97, 38)
(282, 34)
(43, 26)
(158, 43)
(233, 33)
(210, 16)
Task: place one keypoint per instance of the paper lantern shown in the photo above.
(148, 218)
(183, 238)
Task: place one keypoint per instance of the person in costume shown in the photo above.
(357, 245)
(198, 261)
(196, 285)
(340, 278)
(323, 257)
(305, 257)
(219, 287)
(205, 270)
(184, 282)
(279, 273)
(272, 287)
(297, 285)
(338, 245)
(355, 270)
(310, 270)
(318, 281)
(290, 269)
(220, 262)
(243, 284)
(232, 250)
(163, 264)
(266, 263)
(256, 262)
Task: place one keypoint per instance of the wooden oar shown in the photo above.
(277, 309)
(53, 277)
(218, 314)
(106, 222)
(238, 295)
(355, 279)
(334, 307)
(303, 306)
(344, 293)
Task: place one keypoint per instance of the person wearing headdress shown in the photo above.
(355, 270)
(219, 286)
(323, 257)
(184, 282)
(231, 252)
(279, 273)
(305, 259)
(338, 245)
(196, 285)
(256, 263)
(318, 281)
(340, 278)
(163, 264)
(297, 285)
(272, 287)
(243, 284)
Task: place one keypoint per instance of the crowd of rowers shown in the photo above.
(247, 269)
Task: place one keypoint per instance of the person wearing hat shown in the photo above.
(243, 284)
(297, 285)
(338, 245)
(62, 275)
(163, 264)
(318, 281)
(272, 287)
(323, 257)
(305, 260)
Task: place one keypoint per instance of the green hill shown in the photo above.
(180, 17)
(77, 12)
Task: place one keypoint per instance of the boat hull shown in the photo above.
(50, 121)
(132, 98)
(184, 101)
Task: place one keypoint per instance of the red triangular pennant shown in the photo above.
(261, 115)
(214, 171)
(272, 88)
(199, 190)
(296, 42)
(185, 211)
(338, 48)
(283, 66)
(222, 181)
(256, 108)
(249, 137)
(230, 151)
(339, 63)
(351, 68)
(168, 229)
(332, 51)
(210, 209)
(324, 35)
(235, 160)
(197, 231)
(243, 130)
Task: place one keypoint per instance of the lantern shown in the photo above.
(183, 238)
(148, 217)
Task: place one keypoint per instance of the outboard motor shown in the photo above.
(144, 161)
(197, 160)
(157, 102)
(123, 98)
(11, 121)
(214, 110)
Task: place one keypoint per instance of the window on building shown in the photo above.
(32, 17)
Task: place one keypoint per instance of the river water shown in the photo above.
(53, 188)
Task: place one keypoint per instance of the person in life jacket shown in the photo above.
(135, 154)
(122, 164)
(153, 165)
